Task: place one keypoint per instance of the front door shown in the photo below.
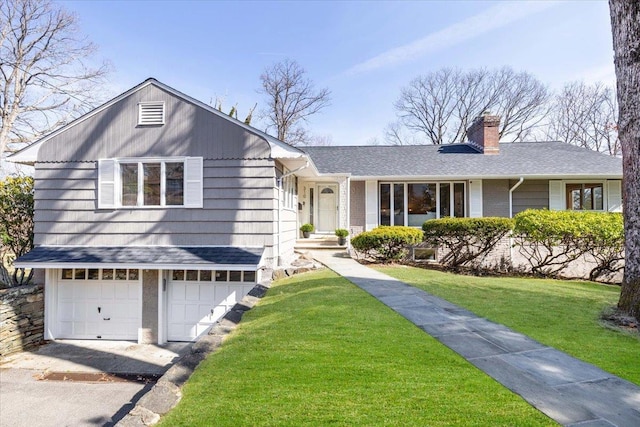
(327, 208)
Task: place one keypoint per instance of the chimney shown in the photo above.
(483, 133)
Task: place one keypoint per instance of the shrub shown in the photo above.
(551, 240)
(341, 232)
(604, 242)
(16, 227)
(307, 228)
(387, 243)
(466, 240)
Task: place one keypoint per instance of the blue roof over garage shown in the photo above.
(156, 257)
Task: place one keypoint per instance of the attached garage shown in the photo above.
(149, 294)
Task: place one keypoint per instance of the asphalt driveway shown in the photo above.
(80, 383)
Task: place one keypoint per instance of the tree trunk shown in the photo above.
(625, 24)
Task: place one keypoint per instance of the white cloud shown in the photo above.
(491, 19)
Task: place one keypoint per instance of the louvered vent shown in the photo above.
(151, 113)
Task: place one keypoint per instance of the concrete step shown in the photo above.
(318, 242)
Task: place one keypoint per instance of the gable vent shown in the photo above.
(151, 113)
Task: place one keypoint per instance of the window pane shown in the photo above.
(129, 177)
(174, 190)
(178, 275)
(93, 274)
(398, 204)
(121, 274)
(597, 197)
(235, 276)
(445, 200)
(422, 203)
(221, 276)
(67, 273)
(250, 276)
(205, 275)
(151, 184)
(192, 275)
(574, 196)
(79, 274)
(385, 204)
(133, 274)
(458, 200)
(107, 274)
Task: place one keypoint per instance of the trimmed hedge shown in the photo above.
(466, 240)
(551, 240)
(387, 243)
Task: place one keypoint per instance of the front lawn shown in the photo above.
(319, 351)
(558, 313)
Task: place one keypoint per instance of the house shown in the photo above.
(155, 213)
(362, 187)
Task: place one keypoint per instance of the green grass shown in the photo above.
(318, 351)
(561, 314)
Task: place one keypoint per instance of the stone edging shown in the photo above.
(166, 393)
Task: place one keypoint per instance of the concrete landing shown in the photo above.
(568, 390)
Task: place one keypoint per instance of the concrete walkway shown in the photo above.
(571, 392)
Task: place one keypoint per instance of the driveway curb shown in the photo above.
(167, 392)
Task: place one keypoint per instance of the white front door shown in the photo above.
(327, 208)
(98, 309)
(197, 301)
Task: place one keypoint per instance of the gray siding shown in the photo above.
(189, 130)
(530, 195)
(495, 197)
(358, 208)
(239, 203)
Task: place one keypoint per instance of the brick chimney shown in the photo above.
(483, 133)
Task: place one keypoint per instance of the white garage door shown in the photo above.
(99, 304)
(198, 299)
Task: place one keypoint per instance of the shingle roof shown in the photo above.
(527, 159)
(141, 256)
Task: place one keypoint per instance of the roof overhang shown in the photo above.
(144, 257)
(469, 177)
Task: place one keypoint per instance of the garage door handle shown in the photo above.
(106, 318)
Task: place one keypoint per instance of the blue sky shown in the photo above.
(364, 52)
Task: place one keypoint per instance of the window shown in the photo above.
(150, 113)
(416, 202)
(96, 274)
(289, 191)
(150, 182)
(584, 197)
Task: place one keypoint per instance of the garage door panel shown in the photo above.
(194, 306)
(77, 309)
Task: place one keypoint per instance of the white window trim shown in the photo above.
(289, 196)
(117, 181)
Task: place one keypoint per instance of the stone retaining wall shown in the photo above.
(21, 318)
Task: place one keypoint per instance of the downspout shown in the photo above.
(306, 165)
(511, 190)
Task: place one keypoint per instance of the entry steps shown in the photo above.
(318, 241)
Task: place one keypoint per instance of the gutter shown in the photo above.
(279, 181)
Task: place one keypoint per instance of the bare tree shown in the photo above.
(45, 79)
(586, 115)
(291, 100)
(625, 24)
(441, 105)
